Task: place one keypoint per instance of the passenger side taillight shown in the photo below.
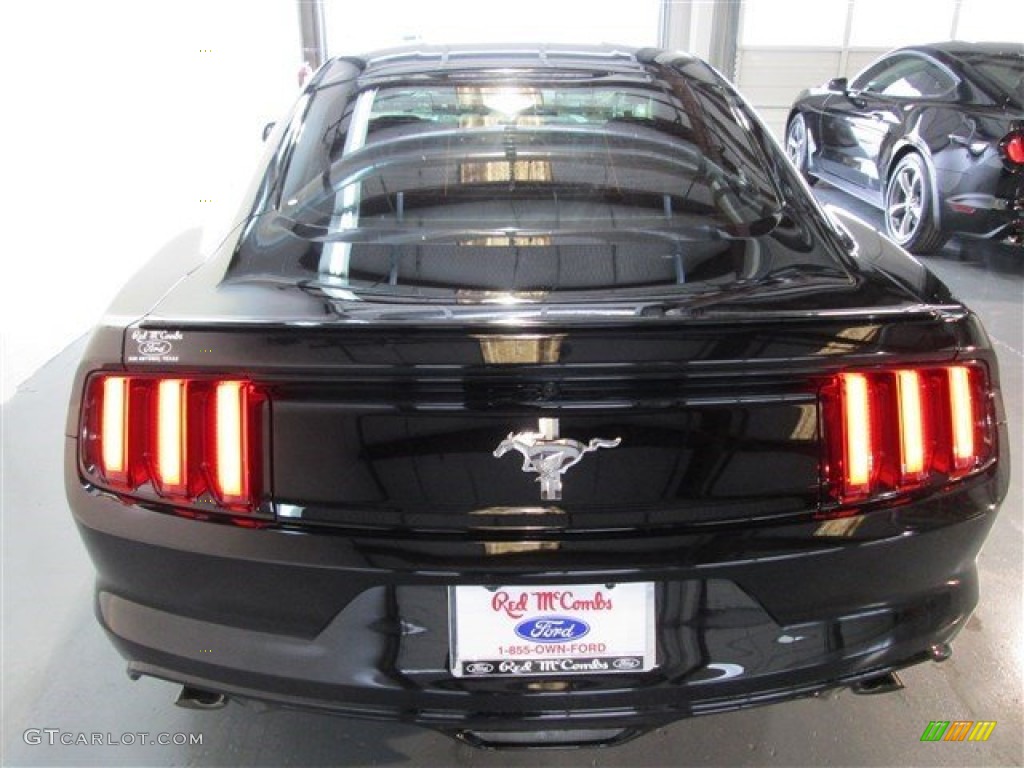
(895, 430)
(1012, 147)
(193, 442)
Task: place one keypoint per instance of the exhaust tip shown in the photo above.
(870, 686)
(940, 651)
(197, 698)
(546, 739)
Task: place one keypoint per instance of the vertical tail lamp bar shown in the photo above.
(961, 403)
(911, 426)
(114, 428)
(231, 453)
(857, 434)
(171, 461)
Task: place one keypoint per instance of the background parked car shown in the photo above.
(932, 134)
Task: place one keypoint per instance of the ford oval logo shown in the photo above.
(552, 629)
(154, 347)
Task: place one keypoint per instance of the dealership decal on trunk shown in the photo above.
(154, 346)
(549, 455)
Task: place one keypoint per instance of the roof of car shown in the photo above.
(446, 59)
(449, 56)
(558, 61)
(961, 47)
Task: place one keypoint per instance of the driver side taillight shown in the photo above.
(193, 442)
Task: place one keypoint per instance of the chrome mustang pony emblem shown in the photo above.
(549, 455)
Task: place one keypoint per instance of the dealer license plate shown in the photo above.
(576, 629)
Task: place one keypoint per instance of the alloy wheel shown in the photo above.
(796, 142)
(905, 204)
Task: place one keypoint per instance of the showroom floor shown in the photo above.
(59, 672)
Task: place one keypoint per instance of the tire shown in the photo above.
(798, 147)
(909, 207)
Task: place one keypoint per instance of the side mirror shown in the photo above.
(840, 84)
(267, 130)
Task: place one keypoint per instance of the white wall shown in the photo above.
(117, 123)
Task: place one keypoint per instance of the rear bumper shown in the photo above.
(359, 626)
(987, 206)
(996, 227)
(355, 667)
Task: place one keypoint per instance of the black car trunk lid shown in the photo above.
(602, 428)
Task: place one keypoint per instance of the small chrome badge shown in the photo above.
(549, 455)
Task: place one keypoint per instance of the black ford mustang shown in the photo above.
(532, 399)
(931, 134)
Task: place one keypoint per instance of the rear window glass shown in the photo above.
(535, 183)
(1004, 73)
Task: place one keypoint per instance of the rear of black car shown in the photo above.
(545, 409)
(982, 171)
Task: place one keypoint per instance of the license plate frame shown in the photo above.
(551, 630)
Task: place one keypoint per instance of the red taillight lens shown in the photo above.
(113, 402)
(857, 430)
(1013, 147)
(911, 425)
(891, 431)
(231, 438)
(171, 436)
(961, 406)
(191, 441)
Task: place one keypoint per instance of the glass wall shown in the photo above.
(877, 23)
(793, 22)
(354, 28)
(990, 20)
(786, 46)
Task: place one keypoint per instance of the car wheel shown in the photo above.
(798, 147)
(909, 207)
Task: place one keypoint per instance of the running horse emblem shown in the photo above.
(549, 455)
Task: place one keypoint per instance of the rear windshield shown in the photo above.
(540, 184)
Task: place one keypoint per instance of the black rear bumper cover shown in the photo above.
(359, 626)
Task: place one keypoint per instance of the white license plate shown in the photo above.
(575, 629)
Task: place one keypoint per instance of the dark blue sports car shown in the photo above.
(931, 134)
